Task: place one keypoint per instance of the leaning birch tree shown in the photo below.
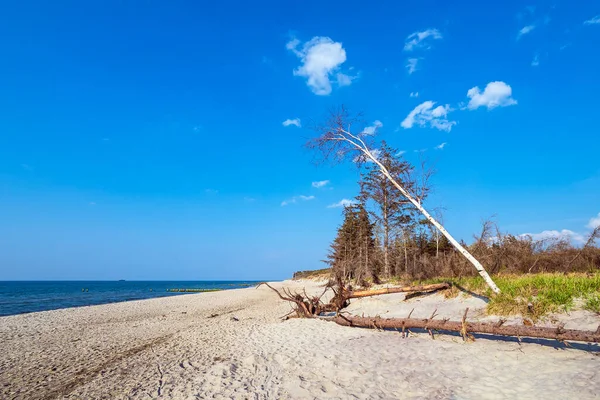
(336, 141)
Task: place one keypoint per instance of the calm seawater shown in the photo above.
(24, 297)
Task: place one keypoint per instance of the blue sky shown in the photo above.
(148, 142)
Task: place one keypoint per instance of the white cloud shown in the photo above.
(593, 21)
(211, 191)
(565, 234)
(525, 30)
(321, 58)
(295, 122)
(320, 184)
(342, 203)
(295, 199)
(536, 60)
(419, 39)
(371, 130)
(495, 94)
(414, 94)
(425, 115)
(92, 203)
(345, 80)
(441, 146)
(411, 65)
(27, 167)
(398, 154)
(363, 158)
(594, 222)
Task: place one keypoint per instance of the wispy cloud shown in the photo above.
(343, 203)
(426, 115)
(441, 146)
(593, 21)
(321, 59)
(495, 94)
(414, 94)
(211, 191)
(372, 129)
(296, 199)
(411, 65)
(564, 234)
(401, 152)
(362, 158)
(295, 122)
(525, 30)
(320, 184)
(249, 199)
(536, 60)
(27, 167)
(594, 222)
(421, 39)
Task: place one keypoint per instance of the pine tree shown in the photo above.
(393, 210)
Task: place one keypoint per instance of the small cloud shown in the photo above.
(426, 115)
(320, 184)
(411, 65)
(414, 94)
(321, 59)
(495, 94)
(593, 21)
(211, 191)
(92, 203)
(536, 60)
(564, 46)
(371, 130)
(420, 39)
(547, 19)
(565, 234)
(401, 152)
(27, 167)
(295, 122)
(345, 80)
(343, 203)
(594, 222)
(420, 151)
(249, 199)
(105, 139)
(362, 158)
(295, 199)
(197, 128)
(441, 146)
(525, 30)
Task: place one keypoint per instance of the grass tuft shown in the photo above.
(532, 295)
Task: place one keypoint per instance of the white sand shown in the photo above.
(170, 348)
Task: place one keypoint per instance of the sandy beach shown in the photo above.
(233, 344)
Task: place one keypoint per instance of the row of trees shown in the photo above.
(383, 235)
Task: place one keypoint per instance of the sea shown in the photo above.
(19, 297)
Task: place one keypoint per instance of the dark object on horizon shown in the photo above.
(193, 290)
(121, 280)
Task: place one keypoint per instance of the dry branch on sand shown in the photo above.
(466, 328)
(422, 288)
(311, 307)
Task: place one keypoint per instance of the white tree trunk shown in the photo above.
(444, 232)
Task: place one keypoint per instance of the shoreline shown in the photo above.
(232, 344)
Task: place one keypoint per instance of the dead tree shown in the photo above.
(337, 141)
(466, 328)
(376, 292)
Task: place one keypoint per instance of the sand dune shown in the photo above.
(177, 348)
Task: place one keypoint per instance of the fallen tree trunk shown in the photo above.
(465, 328)
(422, 288)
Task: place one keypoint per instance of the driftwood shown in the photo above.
(306, 306)
(422, 288)
(466, 328)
